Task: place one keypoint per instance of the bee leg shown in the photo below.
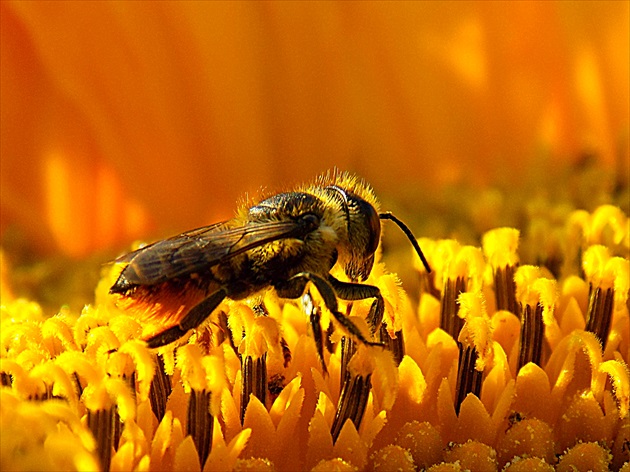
(356, 291)
(315, 316)
(294, 288)
(192, 319)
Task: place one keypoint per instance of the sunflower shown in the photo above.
(124, 119)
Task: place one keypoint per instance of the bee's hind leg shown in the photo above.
(191, 320)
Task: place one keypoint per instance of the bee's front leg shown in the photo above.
(294, 288)
(355, 291)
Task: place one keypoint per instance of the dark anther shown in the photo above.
(200, 423)
(532, 331)
(160, 389)
(468, 378)
(599, 313)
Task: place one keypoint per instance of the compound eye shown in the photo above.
(373, 223)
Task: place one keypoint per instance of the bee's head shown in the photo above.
(363, 233)
(363, 223)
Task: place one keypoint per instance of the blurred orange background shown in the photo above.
(122, 120)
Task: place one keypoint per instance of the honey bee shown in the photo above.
(283, 242)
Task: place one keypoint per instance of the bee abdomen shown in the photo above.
(129, 278)
(122, 285)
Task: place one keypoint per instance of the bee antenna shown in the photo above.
(405, 229)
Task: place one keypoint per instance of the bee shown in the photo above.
(283, 242)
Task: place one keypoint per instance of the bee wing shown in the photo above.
(174, 241)
(197, 250)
